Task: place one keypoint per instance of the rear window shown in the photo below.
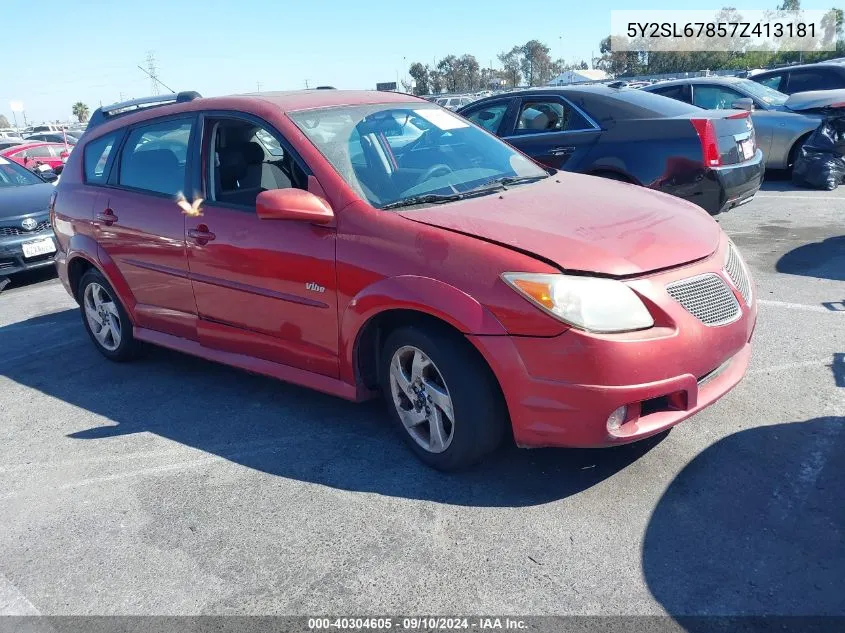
(647, 103)
(154, 156)
(97, 154)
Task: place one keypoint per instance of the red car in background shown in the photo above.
(31, 154)
(371, 242)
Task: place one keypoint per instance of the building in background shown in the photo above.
(578, 77)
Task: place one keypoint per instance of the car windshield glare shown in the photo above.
(393, 152)
(767, 95)
(12, 175)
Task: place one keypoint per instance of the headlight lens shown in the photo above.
(589, 303)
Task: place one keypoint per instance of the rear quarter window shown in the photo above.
(96, 157)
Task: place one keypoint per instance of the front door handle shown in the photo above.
(107, 217)
(201, 234)
(562, 151)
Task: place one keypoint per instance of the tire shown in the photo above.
(447, 367)
(99, 304)
(793, 152)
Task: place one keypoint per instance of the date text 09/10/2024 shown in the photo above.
(416, 623)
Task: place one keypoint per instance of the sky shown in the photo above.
(90, 50)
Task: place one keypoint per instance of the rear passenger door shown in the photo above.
(553, 131)
(139, 225)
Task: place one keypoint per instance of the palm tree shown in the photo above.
(80, 111)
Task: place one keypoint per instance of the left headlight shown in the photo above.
(589, 303)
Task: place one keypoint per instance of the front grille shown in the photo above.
(19, 230)
(736, 271)
(706, 297)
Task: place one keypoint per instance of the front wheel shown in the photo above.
(442, 396)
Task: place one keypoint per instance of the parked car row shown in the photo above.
(710, 158)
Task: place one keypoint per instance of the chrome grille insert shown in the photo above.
(736, 272)
(706, 297)
(17, 230)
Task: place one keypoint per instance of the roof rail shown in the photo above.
(106, 113)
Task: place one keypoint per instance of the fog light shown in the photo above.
(616, 419)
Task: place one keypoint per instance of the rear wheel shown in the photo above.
(442, 396)
(105, 319)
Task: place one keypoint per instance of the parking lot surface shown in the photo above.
(175, 486)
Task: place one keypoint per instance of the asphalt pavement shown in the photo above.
(176, 486)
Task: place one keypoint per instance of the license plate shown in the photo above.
(747, 148)
(38, 247)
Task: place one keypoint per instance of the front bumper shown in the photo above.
(560, 391)
(11, 253)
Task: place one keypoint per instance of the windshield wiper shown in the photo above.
(514, 180)
(427, 198)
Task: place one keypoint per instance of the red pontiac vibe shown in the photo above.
(369, 242)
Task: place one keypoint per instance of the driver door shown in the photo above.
(265, 288)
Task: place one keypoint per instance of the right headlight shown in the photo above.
(589, 303)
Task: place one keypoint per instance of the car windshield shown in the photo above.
(13, 175)
(767, 95)
(400, 152)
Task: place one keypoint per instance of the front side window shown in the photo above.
(550, 115)
(449, 158)
(246, 159)
(154, 157)
(96, 156)
(490, 116)
(714, 97)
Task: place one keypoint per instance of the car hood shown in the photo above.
(18, 202)
(584, 223)
(815, 99)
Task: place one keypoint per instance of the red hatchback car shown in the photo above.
(31, 154)
(370, 242)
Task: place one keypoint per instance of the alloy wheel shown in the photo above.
(102, 316)
(422, 399)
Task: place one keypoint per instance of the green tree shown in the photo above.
(4, 122)
(80, 111)
(536, 63)
(420, 73)
(450, 69)
(511, 66)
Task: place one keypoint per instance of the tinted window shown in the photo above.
(678, 93)
(549, 115)
(490, 116)
(617, 105)
(96, 155)
(772, 82)
(714, 97)
(154, 157)
(804, 80)
(40, 151)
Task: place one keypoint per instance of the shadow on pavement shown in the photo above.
(27, 278)
(279, 428)
(824, 259)
(754, 525)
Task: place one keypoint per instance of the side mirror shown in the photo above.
(293, 204)
(745, 103)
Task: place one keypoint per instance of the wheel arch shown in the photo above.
(402, 300)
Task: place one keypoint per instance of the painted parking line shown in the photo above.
(807, 307)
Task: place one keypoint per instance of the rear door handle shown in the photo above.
(562, 151)
(201, 234)
(107, 217)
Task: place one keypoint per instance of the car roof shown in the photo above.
(700, 80)
(285, 101)
(826, 64)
